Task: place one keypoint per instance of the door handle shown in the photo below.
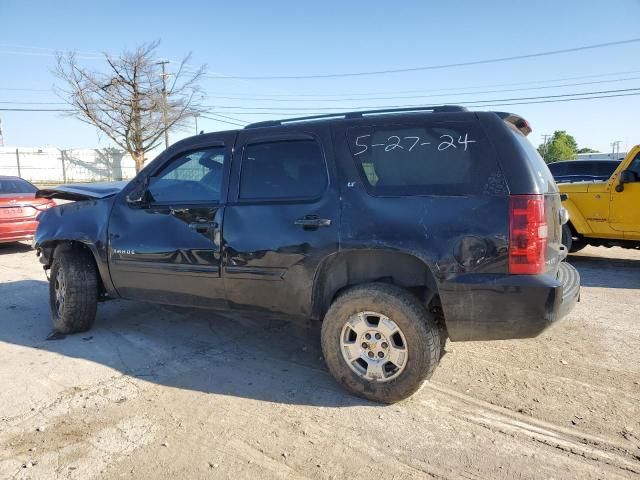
(312, 222)
(202, 225)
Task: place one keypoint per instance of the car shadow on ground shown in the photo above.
(8, 248)
(605, 272)
(244, 355)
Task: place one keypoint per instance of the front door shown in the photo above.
(283, 219)
(167, 248)
(625, 205)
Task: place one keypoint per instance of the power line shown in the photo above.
(44, 54)
(35, 110)
(399, 92)
(225, 121)
(47, 49)
(430, 95)
(529, 82)
(311, 112)
(223, 97)
(476, 103)
(427, 67)
(227, 117)
(235, 107)
(278, 100)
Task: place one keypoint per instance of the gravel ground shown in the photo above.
(157, 392)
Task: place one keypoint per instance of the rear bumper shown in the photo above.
(500, 307)
(18, 230)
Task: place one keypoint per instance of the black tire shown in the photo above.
(77, 272)
(412, 318)
(567, 237)
(568, 241)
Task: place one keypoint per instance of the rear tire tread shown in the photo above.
(417, 324)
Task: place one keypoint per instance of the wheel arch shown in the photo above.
(50, 248)
(348, 268)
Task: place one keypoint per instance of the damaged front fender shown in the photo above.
(83, 223)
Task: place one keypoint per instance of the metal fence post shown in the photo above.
(18, 162)
(64, 170)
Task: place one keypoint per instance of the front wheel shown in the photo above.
(73, 291)
(380, 342)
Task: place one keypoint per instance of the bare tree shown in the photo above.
(132, 101)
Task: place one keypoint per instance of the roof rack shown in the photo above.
(359, 114)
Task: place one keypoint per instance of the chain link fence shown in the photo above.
(54, 166)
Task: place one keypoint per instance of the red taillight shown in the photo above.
(527, 234)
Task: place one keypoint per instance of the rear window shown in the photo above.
(426, 159)
(543, 176)
(15, 185)
(282, 169)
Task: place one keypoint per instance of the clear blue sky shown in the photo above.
(299, 38)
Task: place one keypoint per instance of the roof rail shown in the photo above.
(360, 114)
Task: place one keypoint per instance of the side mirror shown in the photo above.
(626, 176)
(138, 196)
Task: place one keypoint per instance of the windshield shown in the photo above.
(15, 185)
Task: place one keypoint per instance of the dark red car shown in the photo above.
(19, 208)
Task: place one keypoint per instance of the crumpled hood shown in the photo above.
(82, 191)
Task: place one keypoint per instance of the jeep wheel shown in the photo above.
(380, 342)
(568, 241)
(73, 291)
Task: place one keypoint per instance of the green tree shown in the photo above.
(587, 150)
(561, 146)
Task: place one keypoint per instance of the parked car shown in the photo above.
(396, 228)
(572, 171)
(605, 213)
(19, 208)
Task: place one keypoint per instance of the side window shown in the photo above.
(426, 159)
(282, 169)
(606, 169)
(558, 169)
(192, 177)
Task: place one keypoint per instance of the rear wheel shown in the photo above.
(73, 291)
(380, 342)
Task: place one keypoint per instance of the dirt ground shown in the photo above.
(163, 393)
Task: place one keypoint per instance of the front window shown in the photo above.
(634, 166)
(191, 177)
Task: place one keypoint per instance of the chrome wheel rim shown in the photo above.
(374, 347)
(60, 290)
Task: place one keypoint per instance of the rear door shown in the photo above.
(282, 218)
(168, 249)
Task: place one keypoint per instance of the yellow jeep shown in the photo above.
(605, 213)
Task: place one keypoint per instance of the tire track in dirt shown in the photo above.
(511, 423)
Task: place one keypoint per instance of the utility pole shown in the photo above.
(544, 143)
(1, 137)
(615, 149)
(196, 115)
(165, 120)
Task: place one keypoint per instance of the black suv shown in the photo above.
(396, 229)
